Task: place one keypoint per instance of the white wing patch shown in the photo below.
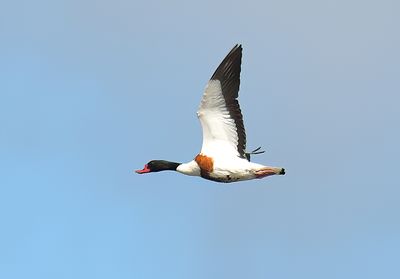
(219, 129)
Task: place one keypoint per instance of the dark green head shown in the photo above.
(158, 165)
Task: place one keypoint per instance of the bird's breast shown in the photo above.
(206, 164)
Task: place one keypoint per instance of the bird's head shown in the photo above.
(158, 165)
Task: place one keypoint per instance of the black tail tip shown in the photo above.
(282, 171)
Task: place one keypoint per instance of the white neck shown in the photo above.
(191, 168)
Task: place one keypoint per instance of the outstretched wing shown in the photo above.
(219, 112)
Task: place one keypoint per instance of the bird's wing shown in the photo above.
(219, 112)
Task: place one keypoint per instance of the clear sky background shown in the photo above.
(91, 90)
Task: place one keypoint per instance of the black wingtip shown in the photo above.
(231, 64)
(282, 172)
(237, 47)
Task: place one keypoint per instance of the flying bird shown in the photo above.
(223, 156)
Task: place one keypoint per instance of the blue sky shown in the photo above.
(91, 90)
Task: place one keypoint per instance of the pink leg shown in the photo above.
(265, 172)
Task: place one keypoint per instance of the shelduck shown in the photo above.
(223, 156)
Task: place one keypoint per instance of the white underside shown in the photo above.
(237, 169)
